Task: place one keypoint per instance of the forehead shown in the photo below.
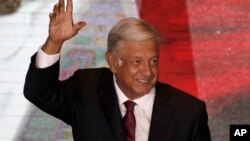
(146, 48)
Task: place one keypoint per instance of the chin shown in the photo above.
(144, 92)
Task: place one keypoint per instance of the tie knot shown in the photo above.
(129, 105)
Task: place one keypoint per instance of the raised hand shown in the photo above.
(61, 27)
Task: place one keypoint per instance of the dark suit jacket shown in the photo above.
(88, 102)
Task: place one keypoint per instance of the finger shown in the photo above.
(52, 17)
(61, 6)
(69, 7)
(56, 9)
(79, 25)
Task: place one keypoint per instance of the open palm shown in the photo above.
(61, 26)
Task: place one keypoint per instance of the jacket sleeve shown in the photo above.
(43, 89)
(201, 130)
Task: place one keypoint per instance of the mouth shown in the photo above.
(143, 81)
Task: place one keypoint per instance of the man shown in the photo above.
(123, 103)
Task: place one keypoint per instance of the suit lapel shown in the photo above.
(111, 108)
(162, 114)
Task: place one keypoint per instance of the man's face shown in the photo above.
(136, 67)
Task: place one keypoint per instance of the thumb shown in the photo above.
(79, 25)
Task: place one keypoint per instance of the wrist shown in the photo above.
(50, 47)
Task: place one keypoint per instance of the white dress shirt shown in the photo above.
(142, 111)
(143, 108)
(44, 60)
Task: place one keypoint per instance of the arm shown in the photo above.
(54, 97)
(201, 131)
(41, 85)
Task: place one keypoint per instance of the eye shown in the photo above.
(136, 62)
(154, 61)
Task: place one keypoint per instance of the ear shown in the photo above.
(111, 60)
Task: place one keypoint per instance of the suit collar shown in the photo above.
(162, 114)
(110, 105)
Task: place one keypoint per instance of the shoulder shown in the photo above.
(92, 75)
(178, 98)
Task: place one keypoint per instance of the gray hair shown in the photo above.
(132, 29)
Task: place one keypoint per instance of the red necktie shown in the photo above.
(129, 121)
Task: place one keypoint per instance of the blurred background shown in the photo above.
(206, 52)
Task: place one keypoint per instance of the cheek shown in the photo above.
(128, 72)
(155, 72)
(133, 71)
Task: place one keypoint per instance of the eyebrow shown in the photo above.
(136, 57)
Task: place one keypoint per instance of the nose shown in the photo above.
(147, 70)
